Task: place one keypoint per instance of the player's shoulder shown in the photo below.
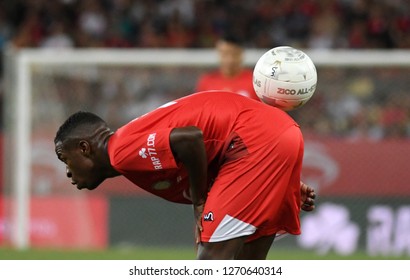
(247, 72)
(213, 74)
(208, 80)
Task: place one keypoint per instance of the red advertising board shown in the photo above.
(64, 222)
(357, 168)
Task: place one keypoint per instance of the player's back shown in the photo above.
(218, 114)
(143, 146)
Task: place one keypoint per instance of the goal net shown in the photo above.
(356, 127)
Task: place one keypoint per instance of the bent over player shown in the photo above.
(238, 161)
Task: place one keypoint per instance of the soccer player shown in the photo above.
(236, 160)
(231, 75)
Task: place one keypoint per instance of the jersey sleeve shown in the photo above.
(144, 151)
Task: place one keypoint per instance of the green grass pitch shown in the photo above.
(153, 253)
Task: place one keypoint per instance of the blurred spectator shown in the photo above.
(325, 27)
(149, 36)
(92, 18)
(30, 32)
(57, 38)
(177, 33)
(394, 117)
(231, 75)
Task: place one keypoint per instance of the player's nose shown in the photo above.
(68, 172)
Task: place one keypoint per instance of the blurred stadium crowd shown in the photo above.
(364, 111)
(198, 23)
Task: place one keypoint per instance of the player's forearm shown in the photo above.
(188, 147)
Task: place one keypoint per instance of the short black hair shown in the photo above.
(75, 121)
(232, 37)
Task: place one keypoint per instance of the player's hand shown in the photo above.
(307, 197)
(198, 210)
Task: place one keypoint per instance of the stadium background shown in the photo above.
(357, 126)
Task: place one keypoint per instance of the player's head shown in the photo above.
(80, 143)
(230, 52)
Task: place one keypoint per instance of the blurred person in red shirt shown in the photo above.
(231, 75)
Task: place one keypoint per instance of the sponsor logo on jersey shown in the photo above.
(143, 153)
(209, 217)
(152, 152)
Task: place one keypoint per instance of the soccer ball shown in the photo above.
(284, 77)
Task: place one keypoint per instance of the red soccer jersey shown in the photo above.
(141, 151)
(241, 83)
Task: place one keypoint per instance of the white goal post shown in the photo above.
(19, 64)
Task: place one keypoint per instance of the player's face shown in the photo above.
(80, 167)
(230, 56)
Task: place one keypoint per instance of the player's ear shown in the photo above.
(85, 147)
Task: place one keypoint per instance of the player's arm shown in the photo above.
(188, 147)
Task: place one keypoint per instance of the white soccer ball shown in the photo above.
(285, 77)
